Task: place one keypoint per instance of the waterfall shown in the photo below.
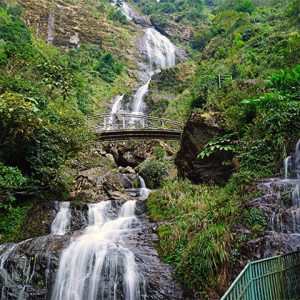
(286, 167)
(144, 191)
(125, 9)
(160, 50)
(61, 223)
(296, 196)
(115, 108)
(160, 53)
(5, 251)
(51, 20)
(138, 99)
(97, 265)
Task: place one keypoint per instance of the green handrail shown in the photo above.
(273, 278)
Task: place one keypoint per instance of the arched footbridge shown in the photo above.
(112, 127)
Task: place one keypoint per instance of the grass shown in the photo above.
(195, 232)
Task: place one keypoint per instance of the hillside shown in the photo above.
(228, 69)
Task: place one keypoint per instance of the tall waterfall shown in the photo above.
(160, 53)
(98, 265)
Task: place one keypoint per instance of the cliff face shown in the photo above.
(199, 130)
(71, 23)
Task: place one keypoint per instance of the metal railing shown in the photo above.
(274, 278)
(118, 122)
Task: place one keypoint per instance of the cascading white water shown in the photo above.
(286, 167)
(115, 108)
(296, 196)
(138, 99)
(144, 191)
(125, 9)
(5, 251)
(97, 265)
(161, 52)
(62, 221)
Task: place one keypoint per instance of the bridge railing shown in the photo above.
(274, 278)
(119, 122)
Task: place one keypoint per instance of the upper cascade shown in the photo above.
(159, 52)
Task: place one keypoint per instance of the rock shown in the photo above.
(40, 257)
(110, 157)
(133, 153)
(91, 174)
(181, 55)
(142, 20)
(126, 170)
(198, 131)
(120, 196)
(173, 29)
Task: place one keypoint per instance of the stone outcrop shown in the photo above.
(173, 29)
(199, 130)
(133, 153)
(144, 21)
(281, 233)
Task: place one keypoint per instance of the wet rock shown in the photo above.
(181, 55)
(133, 153)
(142, 20)
(199, 130)
(173, 29)
(30, 266)
(120, 196)
(127, 170)
(282, 233)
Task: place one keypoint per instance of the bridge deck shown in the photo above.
(146, 134)
(111, 127)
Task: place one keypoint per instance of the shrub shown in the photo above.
(108, 68)
(117, 16)
(154, 171)
(11, 179)
(246, 6)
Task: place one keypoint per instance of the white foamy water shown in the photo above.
(160, 50)
(62, 221)
(144, 191)
(97, 265)
(160, 53)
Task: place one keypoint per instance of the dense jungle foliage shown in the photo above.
(46, 94)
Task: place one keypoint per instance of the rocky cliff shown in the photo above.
(198, 131)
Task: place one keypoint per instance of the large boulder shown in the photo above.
(199, 130)
(132, 153)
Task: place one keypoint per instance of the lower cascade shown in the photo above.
(95, 251)
(97, 265)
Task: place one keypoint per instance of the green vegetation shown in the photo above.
(155, 169)
(255, 43)
(45, 95)
(197, 240)
(200, 239)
